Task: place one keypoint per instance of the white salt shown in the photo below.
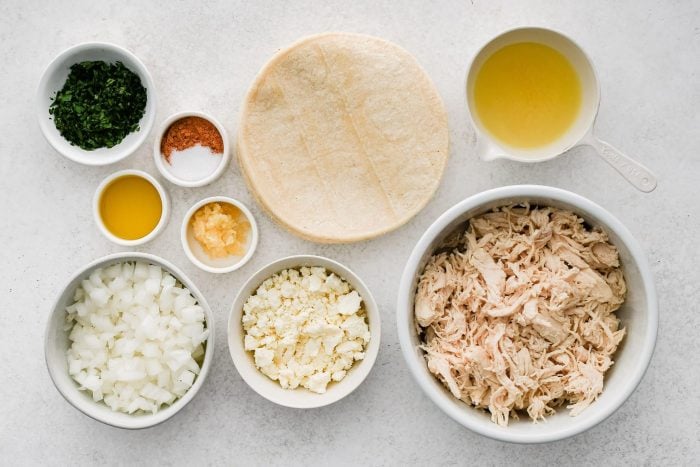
(194, 163)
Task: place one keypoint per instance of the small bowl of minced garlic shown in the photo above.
(219, 234)
(304, 331)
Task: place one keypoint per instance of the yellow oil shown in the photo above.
(130, 207)
(527, 95)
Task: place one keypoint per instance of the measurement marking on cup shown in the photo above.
(622, 164)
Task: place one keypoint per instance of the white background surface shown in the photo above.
(203, 57)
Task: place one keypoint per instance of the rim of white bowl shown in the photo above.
(404, 316)
(158, 156)
(253, 230)
(75, 153)
(244, 365)
(145, 420)
(164, 200)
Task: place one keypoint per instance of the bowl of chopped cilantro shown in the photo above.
(96, 103)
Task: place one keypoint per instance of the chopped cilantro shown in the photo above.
(99, 104)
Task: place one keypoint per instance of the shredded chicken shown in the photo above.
(517, 312)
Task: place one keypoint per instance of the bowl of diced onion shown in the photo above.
(130, 340)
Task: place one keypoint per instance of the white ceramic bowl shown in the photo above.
(165, 203)
(195, 252)
(54, 78)
(639, 315)
(56, 344)
(162, 164)
(301, 398)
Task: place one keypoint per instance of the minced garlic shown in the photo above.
(221, 229)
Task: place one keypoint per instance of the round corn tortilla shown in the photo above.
(343, 137)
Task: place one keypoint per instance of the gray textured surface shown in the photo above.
(204, 57)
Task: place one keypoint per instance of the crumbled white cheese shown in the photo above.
(349, 304)
(305, 327)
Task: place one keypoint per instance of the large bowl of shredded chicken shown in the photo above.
(527, 313)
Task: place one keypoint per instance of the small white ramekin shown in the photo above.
(165, 214)
(161, 164)
(54, 78)
(56, 343)
(197, 255)
(301, 398)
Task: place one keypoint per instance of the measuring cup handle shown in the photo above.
(634, 172)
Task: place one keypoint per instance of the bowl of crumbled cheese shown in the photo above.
(304, 331)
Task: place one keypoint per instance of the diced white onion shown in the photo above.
(136, 336)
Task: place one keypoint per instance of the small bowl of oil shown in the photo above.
(130, 207)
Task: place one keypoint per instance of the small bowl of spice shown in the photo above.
(96, 103)
(219, 234)
(192, 149)
(130, 207)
